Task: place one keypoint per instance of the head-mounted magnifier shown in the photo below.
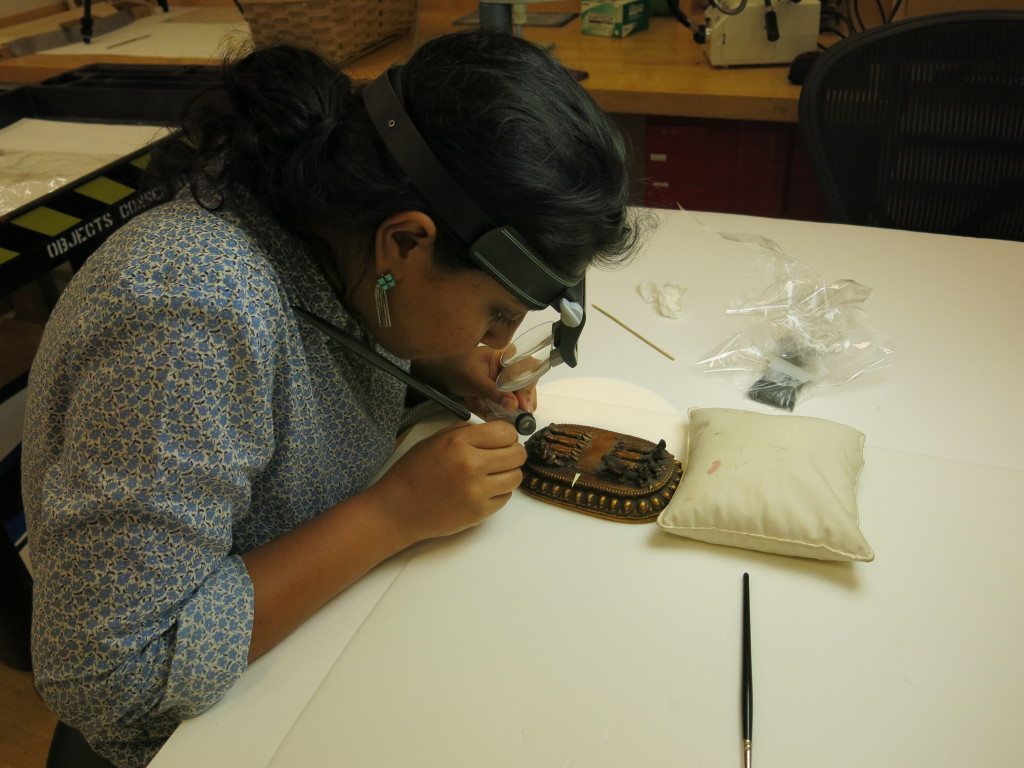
(499, 250)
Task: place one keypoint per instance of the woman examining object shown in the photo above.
(199, 462)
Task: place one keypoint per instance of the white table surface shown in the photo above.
(952, 306)
(549, 638)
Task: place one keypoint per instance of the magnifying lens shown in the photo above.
(530, 355)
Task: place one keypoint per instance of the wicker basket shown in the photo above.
(339, 30)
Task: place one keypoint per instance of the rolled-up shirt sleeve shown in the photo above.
(150, 411)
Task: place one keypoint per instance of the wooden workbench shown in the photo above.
(660, 71)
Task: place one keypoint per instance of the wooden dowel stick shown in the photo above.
(646, 341)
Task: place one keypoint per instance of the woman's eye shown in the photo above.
(501, 317)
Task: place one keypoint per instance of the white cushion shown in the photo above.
(780, 484)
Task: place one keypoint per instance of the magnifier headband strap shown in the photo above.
(510, 261)
(412, 153)
(501, 251)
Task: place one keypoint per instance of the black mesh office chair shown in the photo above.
(919, 125)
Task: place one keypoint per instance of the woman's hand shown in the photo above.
(471, 376)
(452, 480)
(444, 484)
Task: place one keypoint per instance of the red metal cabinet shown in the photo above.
(730, 167)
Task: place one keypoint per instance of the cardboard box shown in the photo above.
(614, 18)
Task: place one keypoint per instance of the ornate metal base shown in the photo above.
(601, 473)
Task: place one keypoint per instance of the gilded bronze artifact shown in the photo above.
(600, 472)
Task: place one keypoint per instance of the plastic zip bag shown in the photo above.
(802, 333)
(27, 176)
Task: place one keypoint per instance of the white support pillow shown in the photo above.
(780, 484)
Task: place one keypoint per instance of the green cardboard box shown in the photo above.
(614, 18)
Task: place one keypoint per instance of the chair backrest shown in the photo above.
(920, 125)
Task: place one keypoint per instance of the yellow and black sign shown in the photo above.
(71, 222)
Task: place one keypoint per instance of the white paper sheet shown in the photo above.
(549, 638)
(30, 134)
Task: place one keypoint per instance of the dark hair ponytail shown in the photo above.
(268, 128)
(521, 135)
(509, 123)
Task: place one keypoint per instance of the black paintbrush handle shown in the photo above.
(748, 684)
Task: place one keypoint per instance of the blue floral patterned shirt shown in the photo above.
(179, 415)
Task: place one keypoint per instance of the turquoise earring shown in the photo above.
(380, 295)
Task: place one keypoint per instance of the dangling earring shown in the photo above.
(380, 294)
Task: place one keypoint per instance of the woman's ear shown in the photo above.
(404, 239)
